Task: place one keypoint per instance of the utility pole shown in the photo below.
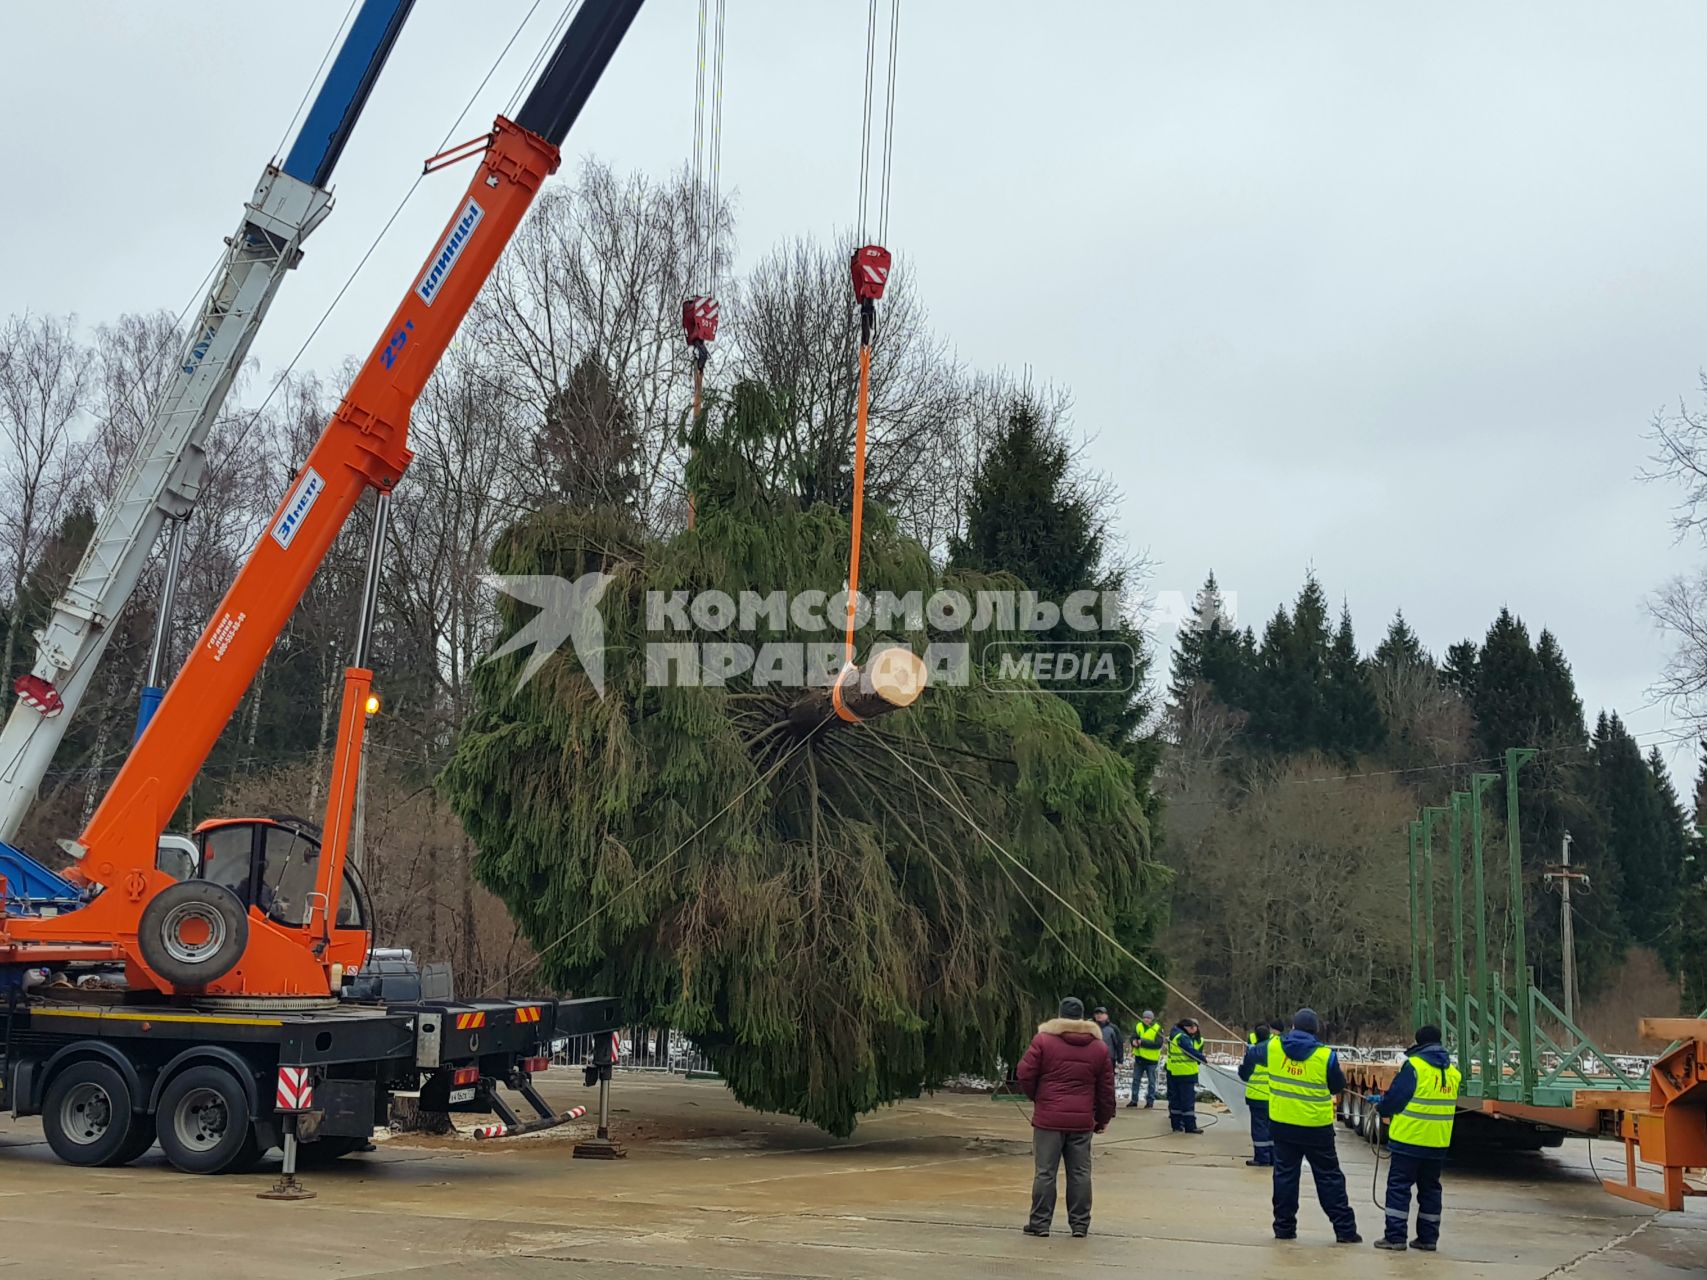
(1561, 878)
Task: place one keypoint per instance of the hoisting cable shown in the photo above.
(315, 78)
(700, 308)
(870, 271)
(1206, 1121)
(978, 828)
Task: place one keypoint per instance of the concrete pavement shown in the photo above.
(937, 1188)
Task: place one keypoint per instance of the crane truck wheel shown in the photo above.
(204, 1123)
(87, 1116)
(193, 932)
(142, 1136)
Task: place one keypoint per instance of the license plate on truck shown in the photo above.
(462, 1095)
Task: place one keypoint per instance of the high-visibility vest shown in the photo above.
(1298, 1091)
(1256, 1088)
(1148, 1031)
(1426, 1120)
(1181, 1063)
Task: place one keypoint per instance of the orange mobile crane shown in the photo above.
(235, 975)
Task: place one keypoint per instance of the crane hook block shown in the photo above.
(40, 694)
(870, 272)
(699, 318)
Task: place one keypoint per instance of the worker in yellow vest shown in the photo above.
(1185, 1056)
(1420, 1105)
(1254, 1072)
(1303, 1077)
(1146, 1055)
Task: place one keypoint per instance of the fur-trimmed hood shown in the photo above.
(1070, 1027)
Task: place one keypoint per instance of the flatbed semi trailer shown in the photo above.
(219, 1085)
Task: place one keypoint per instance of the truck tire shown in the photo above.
(204, 1122)
(193, 932)
(87, 1116)
(142, 1137)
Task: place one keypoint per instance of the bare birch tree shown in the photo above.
(44, 390)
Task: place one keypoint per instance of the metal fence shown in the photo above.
(638, 1049)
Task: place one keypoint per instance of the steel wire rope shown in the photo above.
(715, 153)
(865, 117)
(888, 123)
(966, 816)
(315, 78)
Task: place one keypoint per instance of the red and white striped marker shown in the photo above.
(295, 1091)
(504, 1131)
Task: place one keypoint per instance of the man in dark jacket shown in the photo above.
(1110, 1032)
(1303, 1077)
(1420, 1105)
(1069, 1078)
(1254, 1072)
(1185, 1057)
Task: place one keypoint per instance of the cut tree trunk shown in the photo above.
(891, 681)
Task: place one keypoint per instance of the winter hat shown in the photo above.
(1149, 1015)
(1305, 1020)
(1072, 1007)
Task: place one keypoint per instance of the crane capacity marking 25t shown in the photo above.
(228, 1033)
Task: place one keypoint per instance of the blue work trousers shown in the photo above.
(1262, 1141)
(1404, 1172)
(1294, 1144)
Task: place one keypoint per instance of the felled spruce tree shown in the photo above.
(813, 905)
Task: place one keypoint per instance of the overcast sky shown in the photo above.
(1389, 292)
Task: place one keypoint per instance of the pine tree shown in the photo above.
(1212, 651)
(1030, 517)
(1645, 831)
(1400, 647)
(1459, 669)
(1353, 724)
(1691, 922)
(1291, 703)
(1524, 696)
(1674, 854)
(832, 931)
(588, 449)
(1026, 515)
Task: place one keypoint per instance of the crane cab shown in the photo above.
(272, 865)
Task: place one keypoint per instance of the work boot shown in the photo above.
(1427, 1246)
(1285, 1235)
(1041, 1232)
(1149, 1105)
(1130, 1105)
(1353, 1238)
(1255, 1163)
(1397, 1246)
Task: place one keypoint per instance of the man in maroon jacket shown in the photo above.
(1069, 1076)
